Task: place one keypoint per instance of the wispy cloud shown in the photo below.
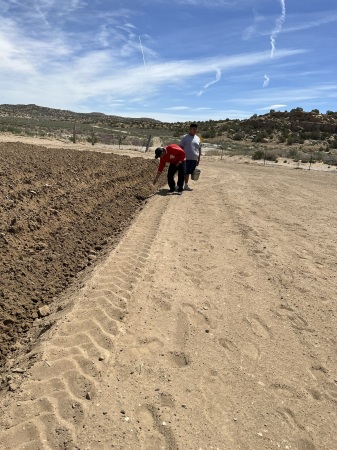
(142, 50)
(217, 78)
(178, 108)
(81, 55)
(268, 108)
(266, 81)
(278, 27)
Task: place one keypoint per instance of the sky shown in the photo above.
(173, 61)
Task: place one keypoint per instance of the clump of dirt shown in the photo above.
(59, 209)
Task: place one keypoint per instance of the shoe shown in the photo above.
(170, 193)
(187, 188)
(179, 192)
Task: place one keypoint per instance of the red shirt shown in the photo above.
(174, 154)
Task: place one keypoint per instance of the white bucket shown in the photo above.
(195, 174)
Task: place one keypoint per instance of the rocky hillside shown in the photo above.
(43, 113)
(293, 127)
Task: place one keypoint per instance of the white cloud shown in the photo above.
(266, 81)
(268, 108)
(178, 108)
(217, 78)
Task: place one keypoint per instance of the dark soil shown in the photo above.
(59, 210)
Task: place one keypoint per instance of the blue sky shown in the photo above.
(177, 60)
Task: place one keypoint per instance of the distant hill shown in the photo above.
(40, 112)
(294, 127)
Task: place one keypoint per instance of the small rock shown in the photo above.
(101, 358)
(44, 311)
(13, 387)
(88, 396)
(18, 370)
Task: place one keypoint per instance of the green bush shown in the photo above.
(259, 154)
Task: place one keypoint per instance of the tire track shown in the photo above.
(73, 356)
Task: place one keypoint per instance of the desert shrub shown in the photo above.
(258, 154)
(260, 137)
(271, 156)
(305, 157)
(331, 160)
(291, 140)
(333, 144)
(238, 136)
(292, 153)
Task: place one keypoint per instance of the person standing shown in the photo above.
(175, 156)
(191, 145)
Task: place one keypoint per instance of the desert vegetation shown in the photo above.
(297, 134)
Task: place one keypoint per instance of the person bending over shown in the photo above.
(175, 156)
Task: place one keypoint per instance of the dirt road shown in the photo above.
(212, 325)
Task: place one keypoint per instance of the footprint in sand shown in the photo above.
(331, 391)
(259, 327)
(197, 318)
(153, 432)
(245, 354)
(288, 314)
(305, 444)
(289, 418)
(249, 357)
(230, 350)
(285, 391)
(216, 405)
(178, 359)
(189, 319)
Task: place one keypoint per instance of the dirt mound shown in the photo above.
(60, 208)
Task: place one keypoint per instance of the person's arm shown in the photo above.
(181, 157)
(156, 177)
(199, 156)
(161, 167)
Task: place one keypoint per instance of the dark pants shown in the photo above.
(173, 168)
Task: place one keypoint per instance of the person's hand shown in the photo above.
(156, 179)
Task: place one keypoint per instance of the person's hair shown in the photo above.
(193, 125)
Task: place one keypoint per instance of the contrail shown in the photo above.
(278, 27)
(141, 47)
(266, 81)
(217, 78)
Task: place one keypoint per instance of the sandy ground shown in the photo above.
(211, 325)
